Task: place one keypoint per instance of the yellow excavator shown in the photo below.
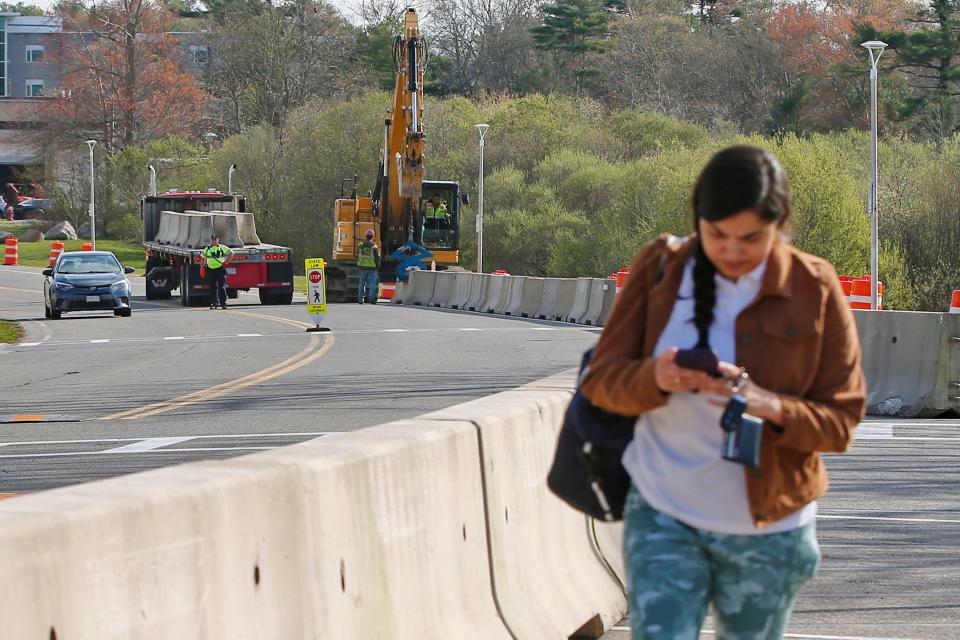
(395, 209)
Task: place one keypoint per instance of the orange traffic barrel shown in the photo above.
(622, 279)
(10, 254)
(955, 301)
(860, 294)
(388, 290)
(56, 248)
(847, 286)
(86, 246)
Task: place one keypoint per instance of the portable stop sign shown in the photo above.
(316, 292)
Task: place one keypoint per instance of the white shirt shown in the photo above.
(674, 459)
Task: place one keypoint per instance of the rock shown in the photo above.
(84, 230)
(31, 235)
(61, 231)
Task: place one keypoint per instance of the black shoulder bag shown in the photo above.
(587, 473)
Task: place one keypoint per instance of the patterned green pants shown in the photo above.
(675, 571)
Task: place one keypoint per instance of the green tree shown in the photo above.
(926, 51)
(22, 8)
(573, 30)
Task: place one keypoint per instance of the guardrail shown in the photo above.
(435, 527)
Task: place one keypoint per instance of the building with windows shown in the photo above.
(29, 73)
(25, 75)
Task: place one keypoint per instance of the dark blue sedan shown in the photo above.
(86, 281)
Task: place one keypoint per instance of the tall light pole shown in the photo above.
(482, 128)
(93, 219)
(875, 47)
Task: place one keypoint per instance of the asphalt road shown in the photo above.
(174, 384)
(889, 530)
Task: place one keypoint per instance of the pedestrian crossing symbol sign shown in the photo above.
(316, 288)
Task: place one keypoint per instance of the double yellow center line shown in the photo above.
(315, 349)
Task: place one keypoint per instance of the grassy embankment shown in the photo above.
(37, 254)
(10, 331)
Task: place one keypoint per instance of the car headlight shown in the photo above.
(119, 288)
(62, 286)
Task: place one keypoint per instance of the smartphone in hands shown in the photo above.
(699, 358)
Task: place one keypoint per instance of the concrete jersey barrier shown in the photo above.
(463, 287)
(515, 296)
(443, 289)
(532, 296)
(414, 529)
(423, 283)
(581, 301)
(496, 297)
(595, 306)
(224, 225)
(478, 291)
(246, 225)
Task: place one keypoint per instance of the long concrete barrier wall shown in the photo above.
(430, 528)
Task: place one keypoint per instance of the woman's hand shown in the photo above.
(672, 378)
(760, 402)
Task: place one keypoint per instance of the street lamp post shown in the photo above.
(482, 128)
(93, 219)
(875, 47)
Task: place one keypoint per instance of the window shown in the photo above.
(198, 54)
(34, 88)
(34, 53)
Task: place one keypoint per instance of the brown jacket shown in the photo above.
(797, 339)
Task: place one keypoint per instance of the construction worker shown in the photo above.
(217, 256)
(435, 209)
(368, 261)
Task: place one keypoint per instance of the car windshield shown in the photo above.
(89, 264)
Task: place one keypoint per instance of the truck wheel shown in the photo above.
(185, 286)
(233, 294)
(269, 297)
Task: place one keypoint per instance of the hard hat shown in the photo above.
(370, 234)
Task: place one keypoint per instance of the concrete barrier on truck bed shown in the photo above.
(515, 296)
(164, 229)
(444, 288)
(532, 297)
(463, 287)
(224, 225)
(581, 301)
(247, 226)
(478, 291)
(496, 298)
(423, 282)
(200, 230)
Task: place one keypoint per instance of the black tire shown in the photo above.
(233, 294)
(270, 297)
(46, 311)
(126, 313)
(55, 315)
(185, 286)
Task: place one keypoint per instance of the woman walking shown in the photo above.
(701, 529)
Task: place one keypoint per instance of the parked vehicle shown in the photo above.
(86, 281)
(30, 208)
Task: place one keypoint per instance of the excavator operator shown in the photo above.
(435, 219)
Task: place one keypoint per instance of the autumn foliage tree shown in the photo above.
(122, 82)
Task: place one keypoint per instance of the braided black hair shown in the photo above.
(736, 179)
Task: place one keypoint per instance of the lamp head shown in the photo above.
(482, 128)
(874, 45)
(91, 144)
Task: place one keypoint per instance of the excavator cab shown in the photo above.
(440, 232)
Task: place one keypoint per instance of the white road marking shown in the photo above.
(821, 516)
(396, 331)
(174, 338)
(100, 341)
(147, 445)
(199, 437)
(870, 431)
(470, 329)
(249, 335)
(29, 344)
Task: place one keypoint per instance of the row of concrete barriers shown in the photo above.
(581, 300)
(438, 527)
